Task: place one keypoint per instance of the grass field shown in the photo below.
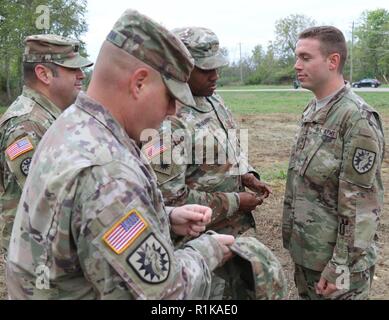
(246, 103)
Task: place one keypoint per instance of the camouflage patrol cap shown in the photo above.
(260, 269)
(55, 49)
(156, 46)
(203, 44)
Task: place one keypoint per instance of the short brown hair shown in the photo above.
(331, 41)
(29, 70)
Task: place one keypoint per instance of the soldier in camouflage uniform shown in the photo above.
(189, 176)
(92, 223)
(53, 79)
(334, 191)
(220, 185)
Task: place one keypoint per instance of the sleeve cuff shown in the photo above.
(209, 248)
(255, 173)
(329, 273)
(233, 200)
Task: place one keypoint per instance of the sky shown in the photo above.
(245, 22)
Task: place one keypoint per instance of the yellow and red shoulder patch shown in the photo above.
(125, 231)
(18, 148)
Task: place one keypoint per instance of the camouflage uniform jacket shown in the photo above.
(92, 223)
(334, 190)
(21, 128)
(213, 183)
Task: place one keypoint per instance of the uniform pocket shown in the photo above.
(321, 162)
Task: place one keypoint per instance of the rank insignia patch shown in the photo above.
(150, 261)
(18, 148)
(125, 231)
(363, 160)
(25, 166)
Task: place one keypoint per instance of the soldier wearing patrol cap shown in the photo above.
(190, 177)
(334, 192)
(93, 224)
(215, 185)
(53, 78)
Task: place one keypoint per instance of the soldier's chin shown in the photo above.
(211, 91)
(305, 85)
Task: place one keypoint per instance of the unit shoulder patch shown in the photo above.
(150, 261)
(25, 166)
(363, 160)
(163, 168)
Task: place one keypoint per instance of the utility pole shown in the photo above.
(241, 65)
(351, 53)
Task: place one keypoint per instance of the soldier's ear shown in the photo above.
(43, 74)
(138, 81)
(334, 61)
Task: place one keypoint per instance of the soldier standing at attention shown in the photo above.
(91, 223)
(190, 177)
(53, 78)
(334, 190)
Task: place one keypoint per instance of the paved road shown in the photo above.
(299, 90)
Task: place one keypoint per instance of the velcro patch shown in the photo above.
(154, 148)
(125, 231)
(363, 160)
(150, 261)
(25, 166)
(18, 148)
(163, 168)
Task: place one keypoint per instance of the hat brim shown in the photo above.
(74, 63)
(213, 62)
(180, 90)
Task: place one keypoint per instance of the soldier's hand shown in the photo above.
(225, 241)
(260, 188)
(190, 220)
(325, 288)
(248, 201)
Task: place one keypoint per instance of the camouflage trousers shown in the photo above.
(307, 279)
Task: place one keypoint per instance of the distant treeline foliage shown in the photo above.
(20, 18)
(275, 64)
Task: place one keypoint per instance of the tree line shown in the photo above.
(20, 18)
(270, 65)
(368, 51)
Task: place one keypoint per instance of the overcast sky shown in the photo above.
(249, 22)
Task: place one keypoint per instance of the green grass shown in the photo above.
(277, 172)
(256, 87)
(2, 109)
(289, 102)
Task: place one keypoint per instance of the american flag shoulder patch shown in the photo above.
(125, 231)
(154, 148)
(18, 148)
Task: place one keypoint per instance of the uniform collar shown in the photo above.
(102, 115)
(202, 104)
(320, 116)
(42, 101)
